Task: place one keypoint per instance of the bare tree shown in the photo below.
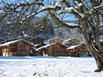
(20, 11)
(89, 15)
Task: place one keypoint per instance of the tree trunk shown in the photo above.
(99, 61)
(97, 55)
(93, 43)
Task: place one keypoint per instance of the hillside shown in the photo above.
(38, 26)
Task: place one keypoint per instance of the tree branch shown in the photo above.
(61, 23)
(67, 4)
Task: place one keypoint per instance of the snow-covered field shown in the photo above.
(48, 67)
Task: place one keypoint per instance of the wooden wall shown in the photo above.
(80, 50)
(6, 51)
(72, 42)
(19, 49)
(60, 50)
(55, 40)
(53, 50)
(0, 52)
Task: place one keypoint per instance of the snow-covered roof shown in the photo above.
(39, 37)
(49, 45)
(71, 47)
(55, 38)
(39, 44)
(70, 39)
(74, 46)
(15, 41)
(44, 46)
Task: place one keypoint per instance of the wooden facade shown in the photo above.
(56, 49)
(55, 40)
(16, 48)
(71, 42)
(80, 50)
(38, 40)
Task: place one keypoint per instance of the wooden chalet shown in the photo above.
(55, 49)
(79, 50)
(38, 40)
(55, 40)
(16, 48)
(71, 42)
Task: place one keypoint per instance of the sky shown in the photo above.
(68, 18)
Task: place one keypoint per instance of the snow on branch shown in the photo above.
(57, 6)
(69, 9)
(51, 7)
(16, 6)
(48, 7)
(71, 23)
(58, 3)
(73, 11)
(78, 4)
(67, 4)
(78, 13)
(99, 7)
(61, 23)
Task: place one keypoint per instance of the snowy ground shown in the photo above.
(48, 67)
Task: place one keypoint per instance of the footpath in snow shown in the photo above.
(48, 67)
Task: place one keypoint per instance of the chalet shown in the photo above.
(55, 40)
(55, 49)
(18, 47)
(38, 40)
(71, 42)
(79, 50)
